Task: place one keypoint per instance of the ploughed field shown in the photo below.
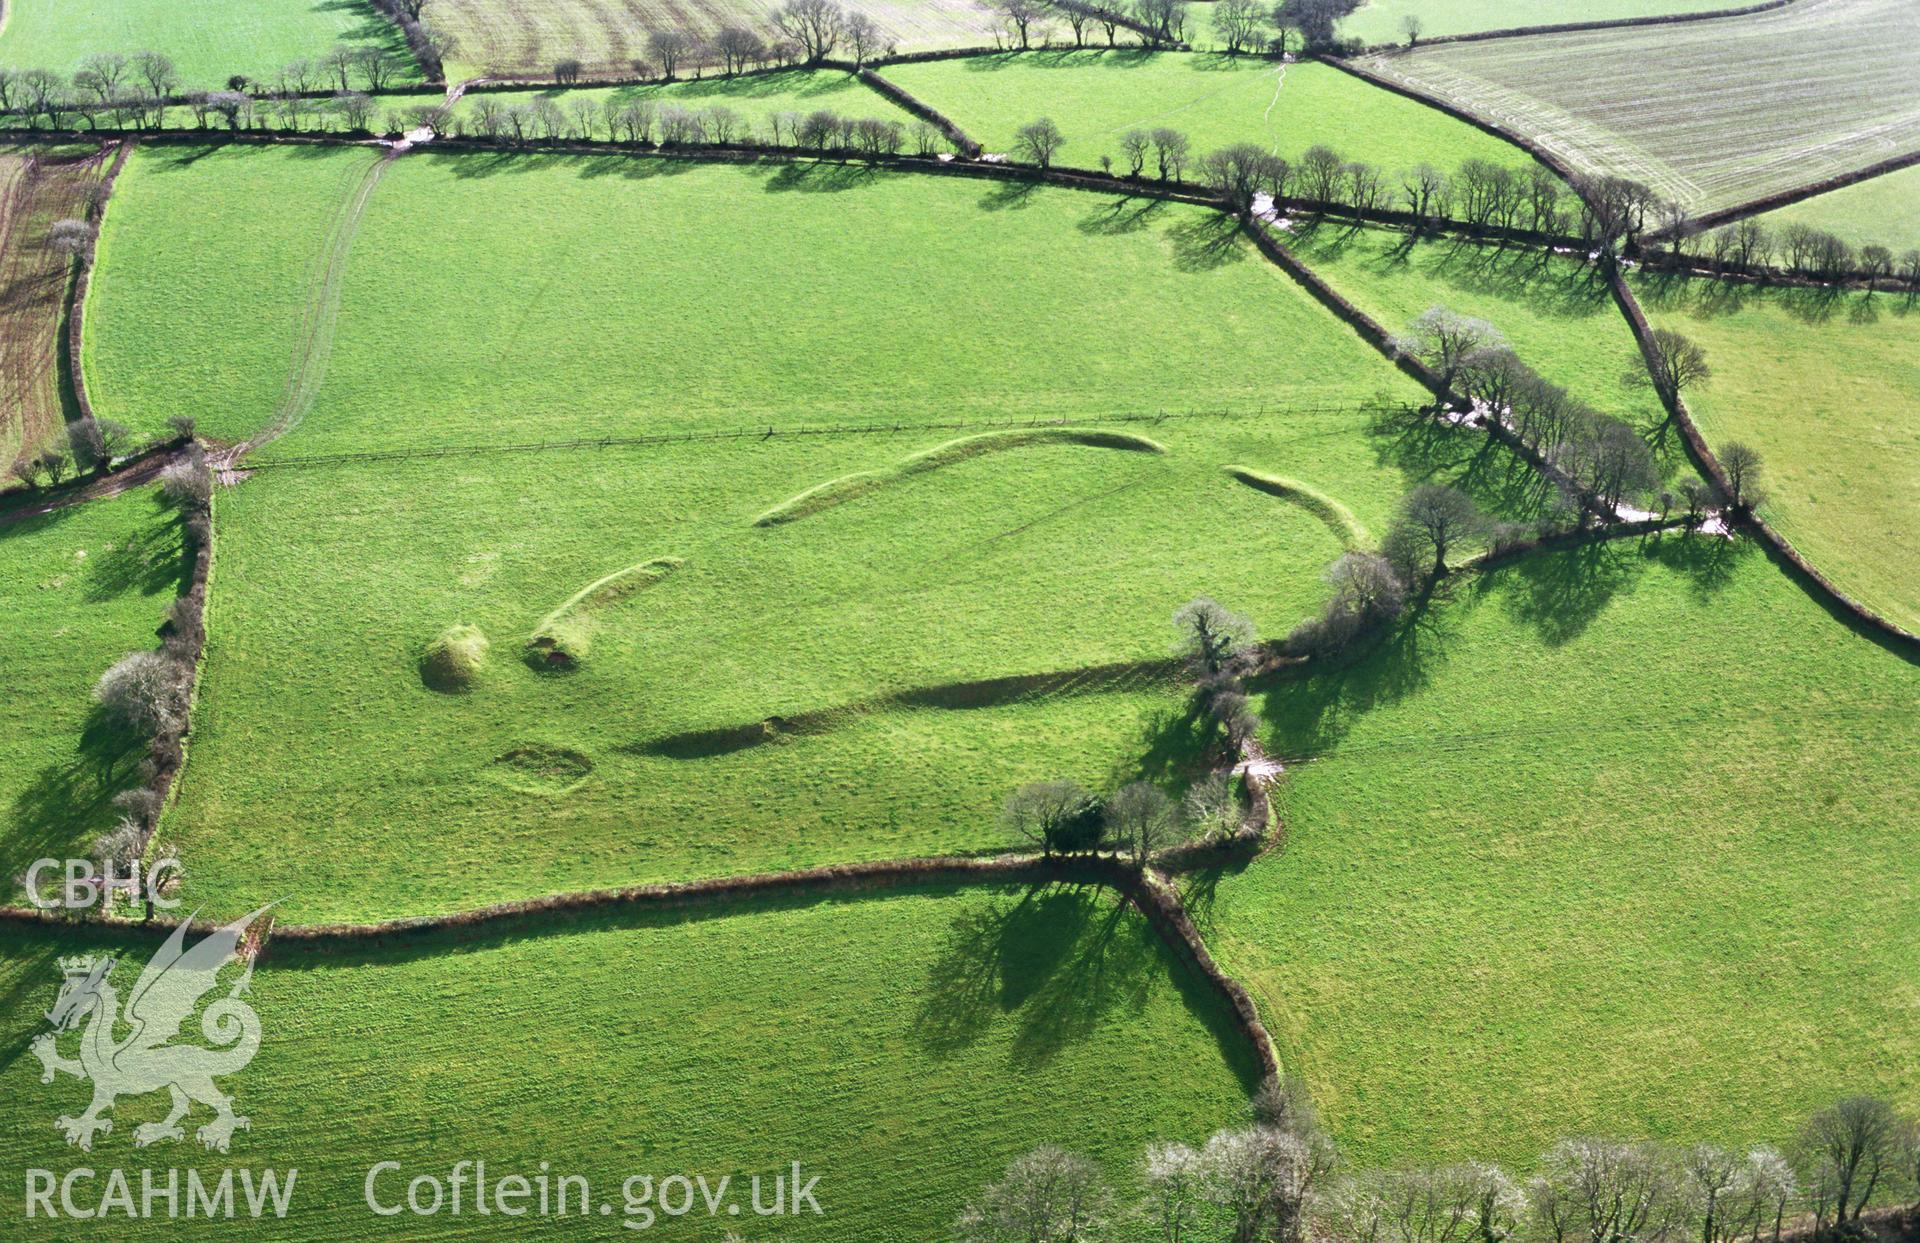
(607, 37)
(1709, 114)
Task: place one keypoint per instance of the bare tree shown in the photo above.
(864, 37)
(1239, 23)
(1875, 263)
(1444, 340)
(1142, 820)
(1240, 172)
(356, 109)
(737, 47)
(1411, 26)
(1048, 1196)
(1021, 18)
(378, 66)
(156, 73)
(1169, 152)
(667, 47)
(1678, 364)
(1048, 813)
(70, 236)
(815, 25)
(1592, 1190)
(1433, 521)
(1850, 1147)
(1743, 469)
(1077, 17)
(1209, 638)
(1423, 191)
(1038, 141)
(1172, 1175)
(1165, 18)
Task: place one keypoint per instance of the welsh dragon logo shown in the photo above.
(163, 998)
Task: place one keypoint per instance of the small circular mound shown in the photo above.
(452, 661)
(541, 769)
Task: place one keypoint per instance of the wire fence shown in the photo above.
(774, 431)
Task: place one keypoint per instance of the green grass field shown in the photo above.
(527, 37)
(1552, 311)
(753, 98)
(79, 589)
(208, 45)
(274, 210)
(1613, 841)
(1383, 21)
(1097, 96)
(1881, 210)
(526, 276)
(845, 731)
(894, 1044)
(1707, 113)
(1841, 451)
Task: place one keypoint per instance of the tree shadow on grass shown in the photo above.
(1310, 708)
(1011, 194)
(1059, 962)
(1708, 561)
(1121, 216)
(67, 802)
(150, 561)
(1205, 241)
(1056, 963)
(1174, 746)
(1559, 594)
(1427, 451)
(819, 178)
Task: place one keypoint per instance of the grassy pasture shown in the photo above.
(273, 212)
(896, 1044)
(208, 44)
(1554, 314)
(937, 640)
(1824, 388)
(38, 186)
(1708, 113)
(526, 37)
(654, 276)
(755, 97)
(1562, 860)
(1883, 210)
(1097, 96)
(79, 588)
(1380, 21)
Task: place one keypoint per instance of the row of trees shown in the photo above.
(134, 91)
(87, 445)
(642, 122)
(1217, 648)
(1278, 1180)
(1748, 246)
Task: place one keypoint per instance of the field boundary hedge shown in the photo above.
(1796, 194)
(1453, 110)
(1151, 894)
(900, 97)
(1562, 28)
(1905, 640)
(83, 280)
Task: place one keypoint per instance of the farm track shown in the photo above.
(323, 311)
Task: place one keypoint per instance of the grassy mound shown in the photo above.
(849, 487)
(1338, 518)
(453, 660)
(561, 642)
